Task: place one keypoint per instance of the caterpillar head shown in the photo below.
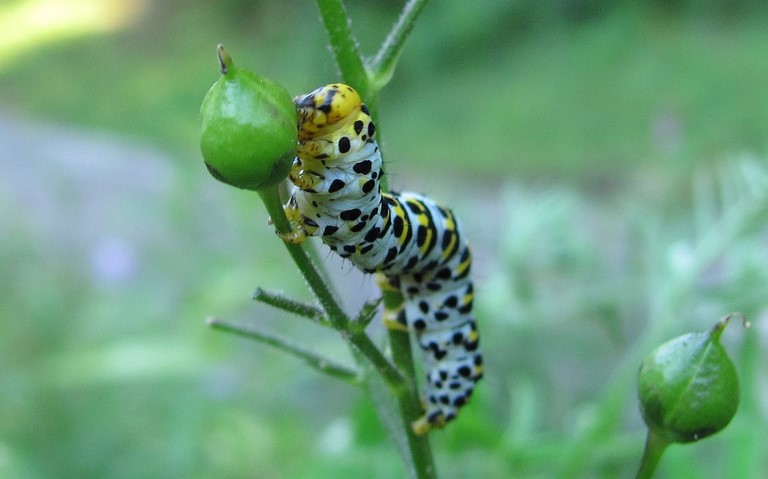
(326, 109)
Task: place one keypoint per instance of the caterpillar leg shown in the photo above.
(427, 422)
(294, 237)
(392, 318)
(306, 175)
(298, 232)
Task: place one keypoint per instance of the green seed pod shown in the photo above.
(688, 387)
(248, 126)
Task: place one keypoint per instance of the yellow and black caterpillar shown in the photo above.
(416, 244)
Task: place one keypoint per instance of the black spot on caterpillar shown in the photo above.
(416, 245)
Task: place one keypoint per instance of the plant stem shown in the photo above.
(411, 407)
(383, 65)
(391, 375)
(319, 286)
(315, 281)
(345, 48)
(408, 400)
(280, 301)
(655, 446)
(364, 317)
(321, 363)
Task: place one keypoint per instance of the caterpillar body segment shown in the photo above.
(415, 245)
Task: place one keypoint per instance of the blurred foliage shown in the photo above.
(585, 88)
(587, 145)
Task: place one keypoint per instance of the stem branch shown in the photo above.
(315, 280)
(280, 301)
(319, 286)
(655, 446)
(391, 375)
(317, 361)
(383, 65)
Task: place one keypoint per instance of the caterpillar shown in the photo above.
(413, 244)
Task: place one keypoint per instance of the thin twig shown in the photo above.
(317, 361)
(383, 64)
(365, 315)
(286, 303)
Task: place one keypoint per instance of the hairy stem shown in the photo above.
(280, 301)
(391, 375)
(383, 65)
(317, 361)
(411, 407)
(345, 48)
(409, 401)
(319, 285)
(365, 316)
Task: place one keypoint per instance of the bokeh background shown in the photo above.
(608, 160)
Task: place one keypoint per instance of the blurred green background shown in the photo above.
(608, 160)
